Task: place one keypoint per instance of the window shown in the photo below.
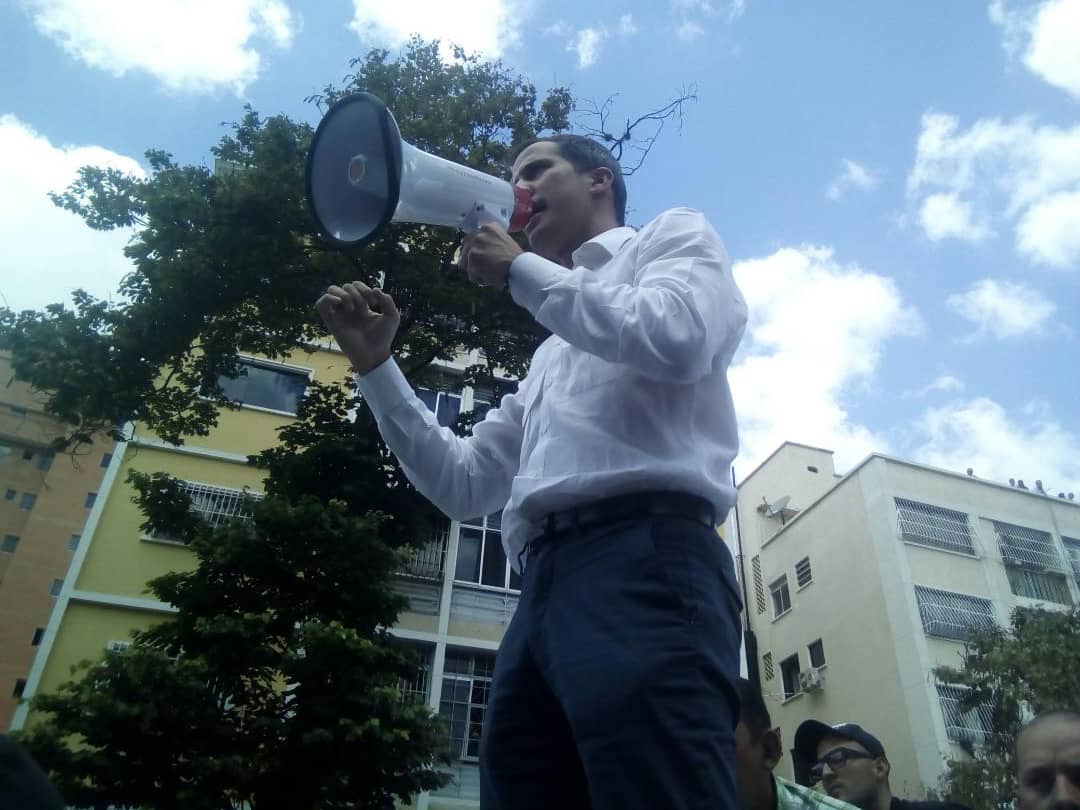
(20, 687)
(767, 665)
(9, 543)
(265, 385)
(427, 561)
(1072, 551)
(759, 589)
(105, 459)
(45, 461)
(73, 542)
(1045, 585)
(27, 501)
(5, 452)
(817, 654)
(416, 688)
(465, 687)
(39, 634)
(789, 674)
(781, 597)
(971, 725)
(9, 494)
(444, 404)
(1020, 545)
(952, 615)
(57, 586)
(480, 556)
(91, 498)
(934, 526)
(28, 455)
(216, 505)
(803, 575)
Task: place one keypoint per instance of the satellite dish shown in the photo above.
(776, 508)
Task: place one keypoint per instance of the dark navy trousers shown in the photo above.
(614, 686)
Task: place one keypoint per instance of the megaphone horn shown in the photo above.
(361, 175)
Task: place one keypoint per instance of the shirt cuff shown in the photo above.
(531, 276)
(383, 388)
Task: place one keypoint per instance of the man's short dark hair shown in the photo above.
(1057, 714)
(753, 713)
(585, 154)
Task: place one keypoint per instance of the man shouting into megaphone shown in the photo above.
(615, 684)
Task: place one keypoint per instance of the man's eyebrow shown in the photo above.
(530, 165)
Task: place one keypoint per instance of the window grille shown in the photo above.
(466, 684)
(781, 596)
(803, 574)
(973, 726)
(427, 561)
(417, 688)
(952, 615)
(1020, 545)
(767, 665)
(1045, 585)
(759, 588)
(934, 526)
(216, 505)
(1072, 550)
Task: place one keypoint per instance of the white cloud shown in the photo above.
(1003, 309)
(816, 334)
(945, 215)
(979, 433)
(854, 177)
(489, 27)
(1045, 37)
(188, 45)
(942, 384)
(46, 252)
(688, 30)
(626, 25)
(1012, 173)
(586, 44)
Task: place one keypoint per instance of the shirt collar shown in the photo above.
(597, 251)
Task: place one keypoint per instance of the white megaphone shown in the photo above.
(361, 175)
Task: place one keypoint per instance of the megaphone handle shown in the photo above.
(478, 215)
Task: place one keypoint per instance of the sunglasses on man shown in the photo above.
(835, 759)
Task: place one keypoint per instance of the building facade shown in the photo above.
(46, 499)
(860, 586)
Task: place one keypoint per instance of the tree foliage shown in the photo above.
(1013, 673)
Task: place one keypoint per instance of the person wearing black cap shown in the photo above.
(851, 764)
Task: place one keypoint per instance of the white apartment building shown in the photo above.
(859, 586)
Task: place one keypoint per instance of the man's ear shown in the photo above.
(882, 768)
(601, 179)
(772, 747)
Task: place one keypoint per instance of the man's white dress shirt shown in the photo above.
(629, 394)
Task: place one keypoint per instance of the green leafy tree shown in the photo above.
(1029, 668)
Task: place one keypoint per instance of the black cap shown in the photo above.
(810, 734)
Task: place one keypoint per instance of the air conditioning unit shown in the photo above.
(810, 680)
(117, 646)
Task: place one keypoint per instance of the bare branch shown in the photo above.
(637, 135)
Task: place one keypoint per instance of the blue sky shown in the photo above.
(897, 183)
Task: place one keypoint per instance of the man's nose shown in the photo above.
(1066, 794)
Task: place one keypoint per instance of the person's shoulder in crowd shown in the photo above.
(909, 804)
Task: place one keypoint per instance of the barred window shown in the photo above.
(466, 684)
(952, 615)
(973, 725)
(767, 665)
(216, 505)
(417, 688)
(803, 574)
(1072, 550)
(427, 561)
(1048, 586)
(934, 526)
(759, 587)
(1020, 545)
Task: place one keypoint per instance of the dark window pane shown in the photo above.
(494, 561)
(429, 398)
(9, 543)
(9, 494)
(265, 387)
(45, 461)
(105, 459)
(817, 654)
(515, 580)
(468, 558)
(91, 497)
(448, 410)
(28, 501)
(20, 687)
(39, 634)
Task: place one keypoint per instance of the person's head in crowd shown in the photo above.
(849, 762)
(1048, 763)
(757, 751)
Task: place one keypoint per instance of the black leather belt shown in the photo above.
(631, 507)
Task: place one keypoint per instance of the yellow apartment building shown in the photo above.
(45, 501)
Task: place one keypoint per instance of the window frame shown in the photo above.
(912, 515)
(784, 667)
(798, 574)
(937, 626)
(810, 654)
(487, 533)
(9, 540)
(478, 679)
(776, 587)
(272, 365)
(28, 497)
